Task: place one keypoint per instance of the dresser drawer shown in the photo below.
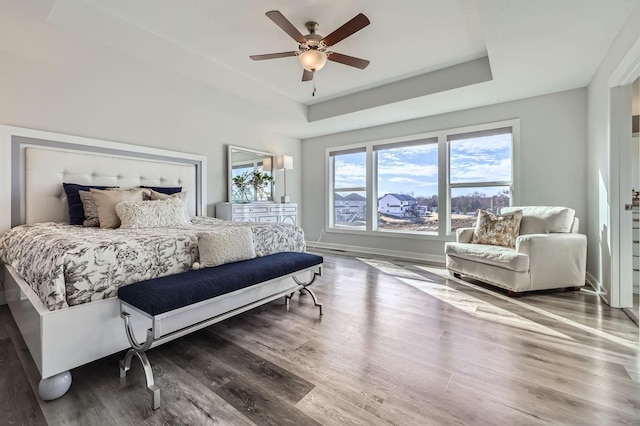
(250, 209)
(268, 219)
(283, 209)
(245, 218)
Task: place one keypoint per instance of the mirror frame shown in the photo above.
(230, 150)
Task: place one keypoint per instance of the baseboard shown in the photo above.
(598, 288)
(593, 282)
(379, 252)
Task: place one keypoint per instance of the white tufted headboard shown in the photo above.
(46, 169)
(35, 163)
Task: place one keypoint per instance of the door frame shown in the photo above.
(620, 90)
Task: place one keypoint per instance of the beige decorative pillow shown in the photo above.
(90, 209)
(155, 195)
(497, 230)
(106, 201)
(225, 246)
(151, 214)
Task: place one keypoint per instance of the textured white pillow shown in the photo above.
(225, 246)
(151, 214)
(155, 195)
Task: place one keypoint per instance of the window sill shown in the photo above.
(392, 234)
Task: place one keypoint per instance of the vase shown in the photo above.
(261, 193)
(243, 195)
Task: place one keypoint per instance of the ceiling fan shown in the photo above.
(312, 48)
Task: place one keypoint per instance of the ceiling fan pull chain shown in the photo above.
(314, 85)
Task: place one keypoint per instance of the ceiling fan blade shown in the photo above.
(272, 56)
(307, 75)
(286, 26)
(348, 60)
(354, 25)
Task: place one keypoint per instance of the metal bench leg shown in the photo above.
(305, 288)
(315, 299)
(287, 298)
(138, 350)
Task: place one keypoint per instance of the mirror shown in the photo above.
(242, 163)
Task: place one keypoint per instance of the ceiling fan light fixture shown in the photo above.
(312, 60)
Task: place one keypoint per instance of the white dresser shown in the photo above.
(258, 212)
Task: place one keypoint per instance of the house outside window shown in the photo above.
(430, 184)
(407, 175)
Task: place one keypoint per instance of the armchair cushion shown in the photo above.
(533, 225)
(503, 257)
(557, 219)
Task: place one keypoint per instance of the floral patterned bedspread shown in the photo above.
(69, 265)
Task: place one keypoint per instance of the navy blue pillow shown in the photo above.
(76, 211)
(165, 189)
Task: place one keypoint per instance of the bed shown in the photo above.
(68, 324)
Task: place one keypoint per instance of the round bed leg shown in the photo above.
(55, 386)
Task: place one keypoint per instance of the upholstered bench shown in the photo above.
(176, 305)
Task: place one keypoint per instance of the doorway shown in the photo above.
(621, 169)
(634, 313)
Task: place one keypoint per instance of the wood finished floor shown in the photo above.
(385, 352)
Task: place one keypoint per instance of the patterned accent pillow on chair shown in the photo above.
(497, 230)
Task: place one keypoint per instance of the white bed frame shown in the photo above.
(32, 179)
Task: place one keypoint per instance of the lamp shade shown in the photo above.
(312, 60)
(284, 162)
(266, 164)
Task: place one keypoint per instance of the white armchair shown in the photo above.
(548, 253)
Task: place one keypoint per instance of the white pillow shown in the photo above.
(151, 214)
(557, 219)
(225, 246)
(155, 195)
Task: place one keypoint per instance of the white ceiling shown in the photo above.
(533, 47)
(405, 38)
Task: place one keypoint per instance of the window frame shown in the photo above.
(332, 187)
(452, 137)
(444, 185)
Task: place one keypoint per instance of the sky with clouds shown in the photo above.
(414, 169)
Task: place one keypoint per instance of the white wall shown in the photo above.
(599, 184)
(552, 157)
(56, 81)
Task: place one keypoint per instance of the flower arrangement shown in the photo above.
(246, 181)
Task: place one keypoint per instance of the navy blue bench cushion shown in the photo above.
(160, 295)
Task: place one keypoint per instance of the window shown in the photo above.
(349, 193)
(480, 174)
(407, 186)
(429, 184)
